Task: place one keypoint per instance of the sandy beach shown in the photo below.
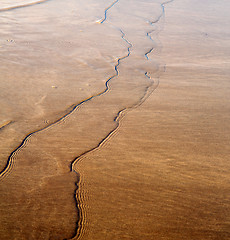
(114, 120)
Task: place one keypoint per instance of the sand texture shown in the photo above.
(115, 120)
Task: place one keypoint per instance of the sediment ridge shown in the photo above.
(23, 5)
(148, 91)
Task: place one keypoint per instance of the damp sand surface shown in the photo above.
(63, 84)
(165, 175)
(162, 172)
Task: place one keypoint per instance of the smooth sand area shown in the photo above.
(160, 172)
(166, 173)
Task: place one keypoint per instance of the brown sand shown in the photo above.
(41, 78)
(165, 173)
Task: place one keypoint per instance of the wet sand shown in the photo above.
(165, 174)
(160, 172)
